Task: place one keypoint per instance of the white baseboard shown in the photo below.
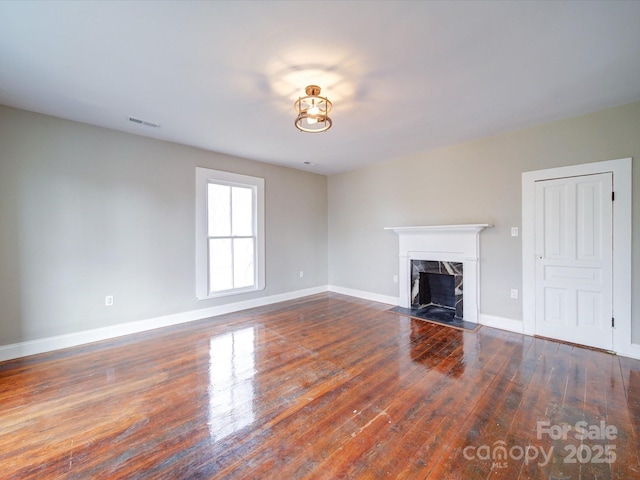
(502, 323)
(374, 297)
(632, 351)
(34, 347)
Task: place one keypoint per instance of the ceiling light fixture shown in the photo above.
(313, 111)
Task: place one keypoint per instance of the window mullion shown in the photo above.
(233, 263)
(209, 281)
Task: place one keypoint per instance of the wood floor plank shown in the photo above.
(623, 411)
(322, 387)
(444, 447)
(339, 403)
(491, 417)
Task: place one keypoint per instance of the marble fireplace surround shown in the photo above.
(442, 243)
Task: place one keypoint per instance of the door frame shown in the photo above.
(622, 231)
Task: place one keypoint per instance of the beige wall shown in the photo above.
(87, 212)
(474, 182)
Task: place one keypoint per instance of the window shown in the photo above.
(229, 233)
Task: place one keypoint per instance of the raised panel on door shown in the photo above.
(555, 305)
(590, 312)
(589, 217)
(555, 236)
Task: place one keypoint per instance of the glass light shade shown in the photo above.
(313, 111)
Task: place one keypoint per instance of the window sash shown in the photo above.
(227, 272)
(239, 272)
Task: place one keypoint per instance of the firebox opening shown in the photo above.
(437, 288)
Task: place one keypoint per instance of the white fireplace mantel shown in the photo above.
(444, 243)
(472, 227)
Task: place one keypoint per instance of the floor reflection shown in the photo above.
(423, 351)
(231, 382)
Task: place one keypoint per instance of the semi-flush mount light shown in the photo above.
(313, 111)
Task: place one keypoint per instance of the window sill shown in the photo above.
(229, 293)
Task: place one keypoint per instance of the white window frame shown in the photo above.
(205, 176)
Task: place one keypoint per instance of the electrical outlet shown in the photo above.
(395, 279)
(301, 274)
(108, 300)
(514, 293)
(514, 231)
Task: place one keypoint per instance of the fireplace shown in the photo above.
(452, 250)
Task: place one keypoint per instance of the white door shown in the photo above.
(574, 259)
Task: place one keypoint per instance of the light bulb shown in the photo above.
(313, 112)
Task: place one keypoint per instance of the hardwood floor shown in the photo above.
(324, 387)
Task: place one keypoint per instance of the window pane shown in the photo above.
(242, 211)
(219, 209)
(243, 254)
(220, 265)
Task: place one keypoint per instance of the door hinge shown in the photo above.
(613, 196)
(613, 322)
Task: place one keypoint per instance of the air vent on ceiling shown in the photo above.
(143, 122)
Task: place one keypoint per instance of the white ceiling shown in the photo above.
(403, 77)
